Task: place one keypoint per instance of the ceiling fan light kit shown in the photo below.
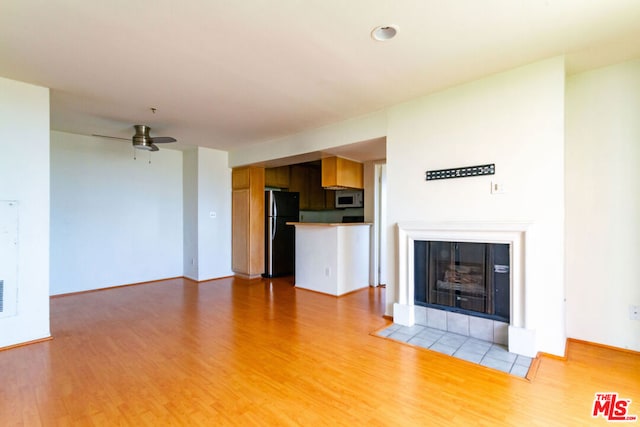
(145, 146)
(141, 140)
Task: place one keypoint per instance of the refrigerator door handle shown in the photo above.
(274, 209)
(269, 255)
(274, 225)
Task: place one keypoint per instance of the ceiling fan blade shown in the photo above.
(162, 139)
(154, 147)
(110, 137)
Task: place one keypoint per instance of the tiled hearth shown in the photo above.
(474, 350)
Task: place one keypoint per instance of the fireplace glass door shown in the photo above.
(470, 278)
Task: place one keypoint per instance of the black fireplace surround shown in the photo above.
(463, 277)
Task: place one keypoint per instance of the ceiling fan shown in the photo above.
(142, 140)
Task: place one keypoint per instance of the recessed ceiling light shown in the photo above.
(384, 33)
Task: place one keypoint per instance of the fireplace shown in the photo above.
(509, 326)
(463, 277)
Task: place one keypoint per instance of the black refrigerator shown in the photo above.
(280, 207)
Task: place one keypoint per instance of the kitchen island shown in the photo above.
(332, 258)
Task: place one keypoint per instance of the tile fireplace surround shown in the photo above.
(519, 339)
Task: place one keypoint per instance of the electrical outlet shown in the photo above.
(634, 312)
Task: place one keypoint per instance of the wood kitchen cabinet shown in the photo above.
(316, 192)
(339, 173)
(277, 177)
(306, 178)
(247, 221)
(298, 183)
(329, 199)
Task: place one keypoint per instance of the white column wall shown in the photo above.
(24, 177)
(214, 214)
(603, 205)
(190, 212)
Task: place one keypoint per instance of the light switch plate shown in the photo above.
(497, 187)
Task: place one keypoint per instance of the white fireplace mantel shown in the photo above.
(521, 339)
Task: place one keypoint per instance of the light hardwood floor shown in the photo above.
(232, 352)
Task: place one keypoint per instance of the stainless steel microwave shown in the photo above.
(349, 199)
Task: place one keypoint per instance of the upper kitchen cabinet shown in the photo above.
(315, 191)
(277, 177)
(305, 178)
(339, 173)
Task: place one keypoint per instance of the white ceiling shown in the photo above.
(226, 73)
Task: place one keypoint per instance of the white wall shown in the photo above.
(214, 197)
(515, 120)
(24, 176)
(375, 184)
(381, 224)
(603, 205)
(359, 129)
(190, 212)
(114, 220)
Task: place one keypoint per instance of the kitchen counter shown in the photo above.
(332, 258)
(328, 224)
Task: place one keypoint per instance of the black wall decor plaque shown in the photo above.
(461, 172)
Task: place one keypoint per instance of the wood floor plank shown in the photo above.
(235, 352)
